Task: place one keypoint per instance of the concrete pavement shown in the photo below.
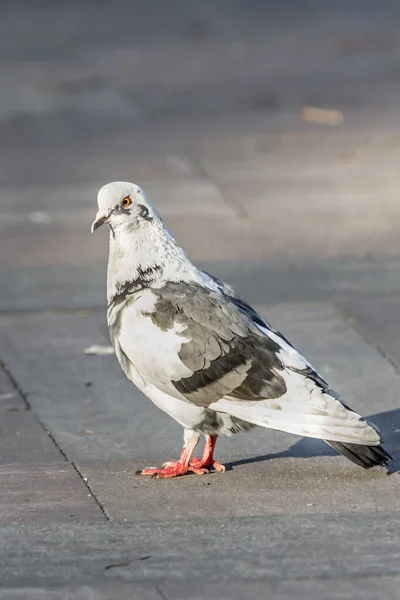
(202, 106)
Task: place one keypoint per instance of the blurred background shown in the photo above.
(265, 131)
(212, 107)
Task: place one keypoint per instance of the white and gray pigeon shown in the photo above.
(202, 354)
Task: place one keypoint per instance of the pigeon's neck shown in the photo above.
(145, 256)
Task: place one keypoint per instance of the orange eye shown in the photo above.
(126, 202)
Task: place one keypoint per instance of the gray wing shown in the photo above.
(235, 357)
(223, 345)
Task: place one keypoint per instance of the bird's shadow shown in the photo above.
(388, 422)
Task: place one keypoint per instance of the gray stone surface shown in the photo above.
(244, 207)
(322, 182)
(45, 493)
(262, 552)
(23, 439)
(266, 484)
(36, 482)
(103, 591)
(368, 588)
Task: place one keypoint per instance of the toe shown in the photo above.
(198, 465)
(148, 471)
(197, 470)
(218, 467)
(170, 471)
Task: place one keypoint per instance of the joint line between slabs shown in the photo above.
(4, 367)
(203, 174)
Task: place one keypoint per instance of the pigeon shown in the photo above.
(202, 354)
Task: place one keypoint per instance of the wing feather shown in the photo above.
(224, 348)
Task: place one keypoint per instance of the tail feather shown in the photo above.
(364, 456)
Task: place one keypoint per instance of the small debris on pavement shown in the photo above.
(41, 217)
(121, 564)
(7, 395)
(323, 116)
(99, 350)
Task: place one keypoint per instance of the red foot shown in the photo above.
(187, 465)
(207, 464)
(178, 468)
(171, 469)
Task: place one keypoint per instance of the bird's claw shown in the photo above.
(171, 469)
(198, 463)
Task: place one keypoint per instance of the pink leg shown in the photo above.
(181, 467)
(207, 460)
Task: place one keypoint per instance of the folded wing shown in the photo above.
(239, 365)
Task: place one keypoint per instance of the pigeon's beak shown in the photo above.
(99, 220)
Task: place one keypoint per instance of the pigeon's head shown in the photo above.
(122, 204)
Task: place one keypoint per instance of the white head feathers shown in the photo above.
(121, 204)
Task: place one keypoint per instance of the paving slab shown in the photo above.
(45, 493)
(294, 196)
(269, 484)
(259, 281)
(321, 182)
(103, 591)
(35, 234)
(37, 484)
(377, 318)
(274, 552)
(44, 288)
(23, 439)
(368, 588)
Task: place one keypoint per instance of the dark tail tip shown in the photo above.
(364, 456)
